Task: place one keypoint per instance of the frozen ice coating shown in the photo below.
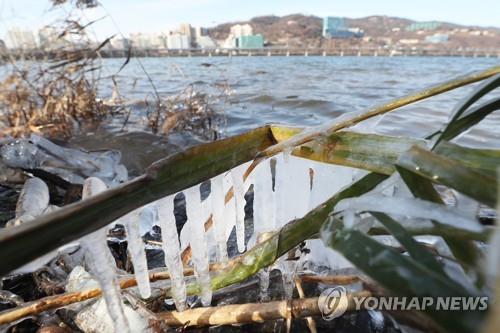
(287, 268)
(33, 199)
(171, 249)
(73, 165)
(147, 219)
(230, 205)
(264, 284)
(197, 242)
(102, 264)
(131, 222)
(20, 154)
(92, 186)
(410, 208)
(239, 200)
(219, 223)
(264, 200)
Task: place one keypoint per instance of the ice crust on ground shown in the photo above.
(73, 165)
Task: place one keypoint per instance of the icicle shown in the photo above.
(102, 264)
(264, 284)
(33, 199)
(239, 199)
(281, 189)
(287, 269)
(197, 242)
(217, 196)
(265, 214)
(264, 217)
(137, 252)
(310, 201)
(171, 249)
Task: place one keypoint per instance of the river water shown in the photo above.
(299, 91)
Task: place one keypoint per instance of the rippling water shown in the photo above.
(300, 91)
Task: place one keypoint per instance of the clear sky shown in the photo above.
(160, 15)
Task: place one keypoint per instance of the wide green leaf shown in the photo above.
(400, 274)
(445, 171)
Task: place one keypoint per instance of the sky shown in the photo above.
(126, 16)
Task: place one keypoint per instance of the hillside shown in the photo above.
(301, 30)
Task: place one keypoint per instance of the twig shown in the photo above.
(310, 321)
(250, 313)
(330, 279)
(57, 301)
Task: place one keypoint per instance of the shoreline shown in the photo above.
(264, 52)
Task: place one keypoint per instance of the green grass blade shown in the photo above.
(415, 250)
(473, 97)
(470, 118)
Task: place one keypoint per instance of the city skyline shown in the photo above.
(153, 15)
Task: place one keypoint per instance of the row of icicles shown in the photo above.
(282, 191)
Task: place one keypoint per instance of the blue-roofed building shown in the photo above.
(335, 27)
(250, 42)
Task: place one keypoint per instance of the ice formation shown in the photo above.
(102, 264)
(131, 222)
(239, 198)
(410, 208)
(197, 241)
(217, 196)
(264, 200)
(73, 165)
(171, 249)
(32, 202)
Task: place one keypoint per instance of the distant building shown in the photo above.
(185, 29)
(335, 27)
(250, 42)
(200, 32)
(436, 38)
(147, 41)
(201, 39)
(120, 43)
(410, 41)
(240, 30)
(205, 42)
(49, 38)
(140, 41)
(230, 42)
(178, 41)
(431, 25)
(21, 39)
